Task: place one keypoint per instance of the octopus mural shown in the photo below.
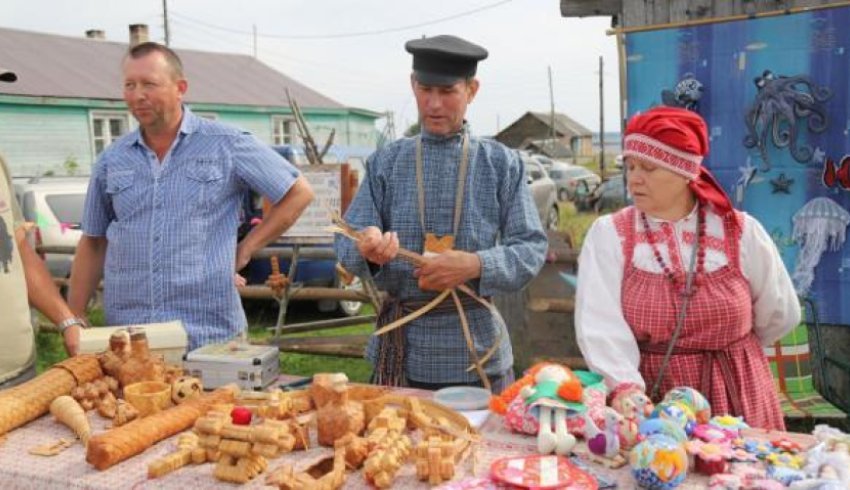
(785, 106)
(686, 94)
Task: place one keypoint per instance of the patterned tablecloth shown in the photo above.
(19, 469)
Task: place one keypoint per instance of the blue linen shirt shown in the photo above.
(499, 223)
(171, 226)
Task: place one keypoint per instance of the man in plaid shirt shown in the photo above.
(469, 191)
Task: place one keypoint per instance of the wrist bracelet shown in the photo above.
(69, 322)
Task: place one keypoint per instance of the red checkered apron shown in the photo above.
(717, 351)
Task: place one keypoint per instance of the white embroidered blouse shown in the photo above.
(604, 337)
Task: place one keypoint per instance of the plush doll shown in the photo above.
(604, 444)
(555, 392)
(499, 403)
(523, 418)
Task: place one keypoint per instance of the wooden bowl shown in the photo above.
(148, 397)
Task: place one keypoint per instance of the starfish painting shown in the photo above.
(781, 184)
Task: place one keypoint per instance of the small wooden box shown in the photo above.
(166, 339)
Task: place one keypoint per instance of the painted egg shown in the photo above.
(677, 413)
(650, 427)
(692, 399)
(659, 463)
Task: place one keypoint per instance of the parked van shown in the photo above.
(55, 206)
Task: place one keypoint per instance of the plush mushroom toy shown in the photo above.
(556, 392)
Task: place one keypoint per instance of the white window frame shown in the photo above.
(287, 132)
(107, 136)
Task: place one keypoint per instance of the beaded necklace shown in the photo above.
(700, 248)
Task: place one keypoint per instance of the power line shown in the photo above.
(345, 34)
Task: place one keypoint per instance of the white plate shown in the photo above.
(463, 397)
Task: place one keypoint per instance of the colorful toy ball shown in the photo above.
(729, 422)
(650, 427)
(659, 463)
(677, 413)
(692, 399)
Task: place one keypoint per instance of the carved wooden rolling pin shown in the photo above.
(31, 400)
(116, 445)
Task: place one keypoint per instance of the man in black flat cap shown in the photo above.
(24, 281)
(463, 203)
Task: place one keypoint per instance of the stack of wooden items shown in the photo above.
(241, 433)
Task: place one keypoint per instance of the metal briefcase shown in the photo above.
(252, 367)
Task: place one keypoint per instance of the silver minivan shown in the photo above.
(55, 206)
(543, 191)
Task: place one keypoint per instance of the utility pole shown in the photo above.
(165, 22)
(255, 41)
(601, 122)
(551, 110)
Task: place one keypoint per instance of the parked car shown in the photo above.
(55, 206)
(610, 195)
(542, 191)
(567, 178)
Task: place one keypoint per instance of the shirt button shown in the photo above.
(156, 238)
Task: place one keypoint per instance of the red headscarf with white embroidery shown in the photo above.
(677, 139)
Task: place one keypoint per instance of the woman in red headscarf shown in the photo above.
(681, 289)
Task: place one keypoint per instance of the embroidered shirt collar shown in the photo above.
(691, 216)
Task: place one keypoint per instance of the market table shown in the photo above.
(19, 469)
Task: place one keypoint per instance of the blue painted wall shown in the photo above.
(726, 58)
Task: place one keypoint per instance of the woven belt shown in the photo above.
(389, 365)
(709, 357)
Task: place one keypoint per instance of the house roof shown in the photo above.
(550, 148)
(563, 123)
(63, 66)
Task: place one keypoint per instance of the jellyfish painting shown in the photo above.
(781, 106)
(818, 225)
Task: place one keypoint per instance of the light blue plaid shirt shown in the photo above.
(171, 226)
(499, 222)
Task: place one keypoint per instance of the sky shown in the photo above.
(353, 51)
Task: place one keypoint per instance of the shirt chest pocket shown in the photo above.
(119, 186)
(205, 181)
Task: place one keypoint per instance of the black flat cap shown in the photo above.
(443, 60)
(7, 75)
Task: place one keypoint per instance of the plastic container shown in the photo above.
(463, 397)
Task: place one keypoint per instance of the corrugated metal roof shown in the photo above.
(62, 66)
(563, 123)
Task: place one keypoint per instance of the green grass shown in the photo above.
(575, 223)
(358, 370)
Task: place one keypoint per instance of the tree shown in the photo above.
(71, 166)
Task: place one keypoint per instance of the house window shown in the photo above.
(107, 127)
(283, 130)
